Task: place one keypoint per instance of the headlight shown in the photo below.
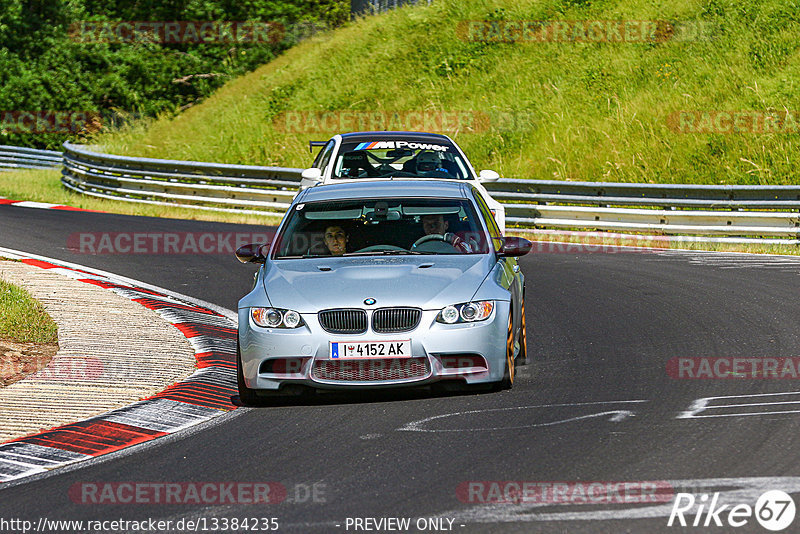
(468, 312)
(448, 315)
(291, 319)
(276, 318)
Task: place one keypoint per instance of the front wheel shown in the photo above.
(522, 357)
(510, 368)
(247, 396)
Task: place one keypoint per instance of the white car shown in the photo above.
(388, 155)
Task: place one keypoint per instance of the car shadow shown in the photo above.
(325, 397)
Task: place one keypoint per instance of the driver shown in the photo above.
(336, 240)
(428, 164)
(434, 224)
(437, 225)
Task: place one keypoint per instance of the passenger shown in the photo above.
(336, 240)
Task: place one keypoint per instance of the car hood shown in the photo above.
(427, 282)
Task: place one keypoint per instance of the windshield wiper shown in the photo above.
(398, 252)
(382, 253)
(303, 257)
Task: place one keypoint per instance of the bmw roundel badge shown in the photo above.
(370, 301)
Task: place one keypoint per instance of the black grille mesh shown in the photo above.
(372, 370)
(391, 320)
(344, 321)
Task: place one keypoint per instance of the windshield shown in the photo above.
(394, 158)
(381, 227)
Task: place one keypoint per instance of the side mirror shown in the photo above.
(252, 253)
(313, 174)
(515, 246)
(488, 176)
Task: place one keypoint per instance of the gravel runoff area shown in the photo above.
(112, 352)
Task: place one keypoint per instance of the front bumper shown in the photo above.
(445, 350)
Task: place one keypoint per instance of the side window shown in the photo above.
(494, 230)
(321, 161)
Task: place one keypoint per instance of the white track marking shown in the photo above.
(32, 204)
(705, 404)
(732, 491)
(758, 404)
(616, 416)
(736, 260)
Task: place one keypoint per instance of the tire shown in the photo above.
(510, 368)
(522, 357)
(247, 396)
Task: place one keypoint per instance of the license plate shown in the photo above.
(353, 350)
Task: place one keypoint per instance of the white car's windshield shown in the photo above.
(381, 227)
(399, 158)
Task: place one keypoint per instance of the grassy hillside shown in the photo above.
(592, 111)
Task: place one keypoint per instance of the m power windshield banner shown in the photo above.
(378, 145)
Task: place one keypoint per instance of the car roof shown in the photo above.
(417, 136)
(392, 188)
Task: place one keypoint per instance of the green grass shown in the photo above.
(23, 319)
(45, 186)
(597, 111)
(595, 241)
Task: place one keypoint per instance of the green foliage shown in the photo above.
(44, 68)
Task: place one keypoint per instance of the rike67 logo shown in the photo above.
(774, 510)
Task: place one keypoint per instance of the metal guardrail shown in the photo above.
(192, 184)
(729, 210)
(770, 211)
(364, 7)
(15, 157)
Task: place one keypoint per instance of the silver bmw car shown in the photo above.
(383, 284)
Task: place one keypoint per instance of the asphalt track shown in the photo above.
(596, 404)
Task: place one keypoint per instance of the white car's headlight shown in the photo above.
(468, 312)
(276, 318)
